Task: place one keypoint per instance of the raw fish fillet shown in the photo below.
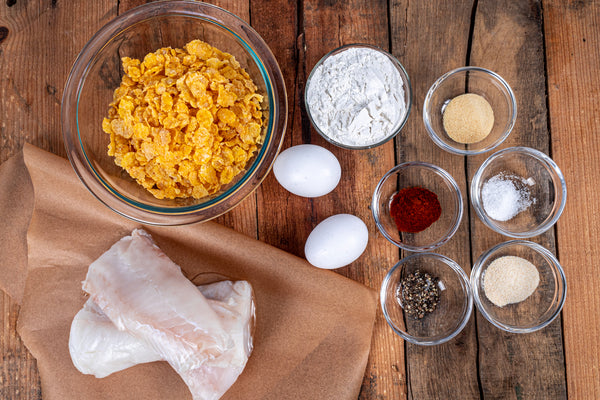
(234, 305)
(98, 348)
(142, 292)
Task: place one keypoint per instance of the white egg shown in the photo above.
(336, 241)
(307, 170)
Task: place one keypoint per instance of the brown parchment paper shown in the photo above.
(313, 328)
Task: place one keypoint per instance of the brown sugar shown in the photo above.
(468, 118)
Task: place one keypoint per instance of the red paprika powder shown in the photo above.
(414, 209)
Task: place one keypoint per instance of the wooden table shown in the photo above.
(549, 53)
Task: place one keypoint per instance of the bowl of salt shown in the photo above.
(519, 192)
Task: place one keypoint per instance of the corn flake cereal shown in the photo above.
(184, 122)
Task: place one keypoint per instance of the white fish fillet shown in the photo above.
(142, 292)
(98, 348)
(234, 306)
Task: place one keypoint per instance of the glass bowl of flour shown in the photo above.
(358, 96)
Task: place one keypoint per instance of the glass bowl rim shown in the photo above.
(476, 276)
(448, 179)
(476, 201)
(276, 96)
(405, 80)
(465, 152)
(466, 285)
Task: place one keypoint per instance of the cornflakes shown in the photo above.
(184, 122)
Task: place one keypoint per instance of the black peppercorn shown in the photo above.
(418, 294)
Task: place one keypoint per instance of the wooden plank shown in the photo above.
(242, 218)
(34, 37)
(30, 105)
(429, 49)
(508, 39)
(323, 27)
(277, 23)
(19, 378)
(327, 26)
(573, 65)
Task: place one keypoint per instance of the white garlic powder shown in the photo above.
(509, 280)
(356, 97)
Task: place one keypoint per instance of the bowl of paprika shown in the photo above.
(417, 206)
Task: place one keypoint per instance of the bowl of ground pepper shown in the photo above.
(469, 110)
(426, 298)
(417, 206)
(519, 286)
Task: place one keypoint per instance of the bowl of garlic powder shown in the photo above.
(469, 110)
(519, 286)
(358, 96)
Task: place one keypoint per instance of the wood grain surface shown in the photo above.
(548, 51)
(506, 361)
(573, 66)
(428, 51)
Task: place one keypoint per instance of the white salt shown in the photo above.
(504, 196)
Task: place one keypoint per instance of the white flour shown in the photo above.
(356, 97)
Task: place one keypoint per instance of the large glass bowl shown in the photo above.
(97, 73)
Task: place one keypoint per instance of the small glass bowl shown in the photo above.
(536, 311)
(539, 175)
(451, 313)
(428, 176)
(476, 80)
(97, 73)
(401, 120)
